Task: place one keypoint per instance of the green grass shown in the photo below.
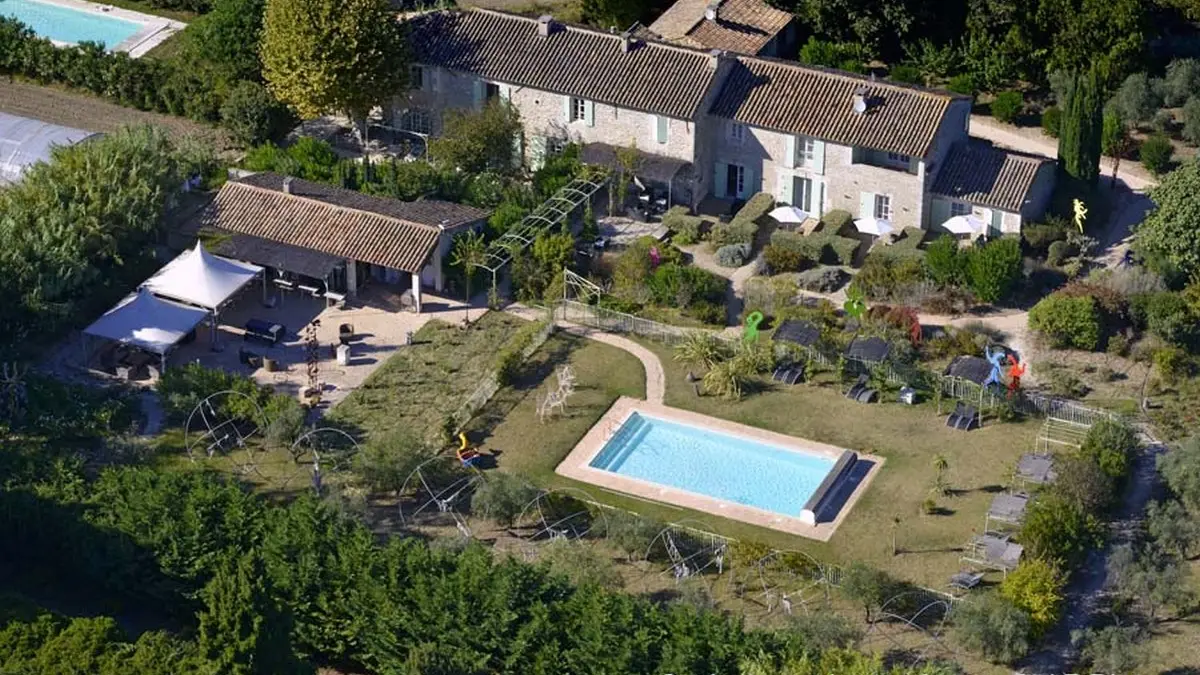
(418, 387)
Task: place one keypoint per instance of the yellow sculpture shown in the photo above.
(1080, 214)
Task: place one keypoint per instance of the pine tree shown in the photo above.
(242, 630)
(1082, 122)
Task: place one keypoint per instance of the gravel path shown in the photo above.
(1087, 587)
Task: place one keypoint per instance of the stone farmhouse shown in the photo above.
(711, 123)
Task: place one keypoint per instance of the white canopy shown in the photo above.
(873, 226)
(200, 278)
(967, 224)
(789, 214)
(148, 322)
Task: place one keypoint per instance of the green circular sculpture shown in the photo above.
(750, 333)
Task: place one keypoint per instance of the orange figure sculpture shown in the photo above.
(1015, 370)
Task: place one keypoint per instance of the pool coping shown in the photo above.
(577, 466)
(153, 32)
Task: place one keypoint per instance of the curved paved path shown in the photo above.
(656, 379)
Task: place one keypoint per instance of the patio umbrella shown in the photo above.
(967, 224)
(789, 214)
(873, 226)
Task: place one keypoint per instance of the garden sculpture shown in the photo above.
(655, 258)
(750, 333)
(1015, 370)
(856, 303)
(1080, 213)
(997, 360)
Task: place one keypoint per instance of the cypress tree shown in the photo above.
(1082, 122)
(243, 631)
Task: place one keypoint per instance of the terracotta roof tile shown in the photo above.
(306, 221)
(744, 26)
(573, 61)
(798, 99)
(981, 174)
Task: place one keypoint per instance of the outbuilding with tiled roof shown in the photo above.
(1002, 188)
(743, 26)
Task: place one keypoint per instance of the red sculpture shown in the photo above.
(1015, 370)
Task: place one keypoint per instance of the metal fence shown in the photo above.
(491, 382)
(620, 322)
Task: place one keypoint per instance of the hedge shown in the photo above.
(836, 220)
(819, 247)
(1067, 321)
(733, 255)
(758, 206)
(686, 227)
(735, 232)
(511, 353)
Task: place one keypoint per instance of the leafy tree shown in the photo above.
(1080, 32)
(1156, 153)
(867, 586)
(728, 379)
(386, 461)
(1172, 528)
(1181, 81)
(242, 630)
(322, 56)
(817, 52)
(1112, 649)
(1151, 581)
(1135, 101)
(226, 40)
(943, 262)
(1111, 444)
(469, 253)
(994, 268)
(1084, 483)
(993, 627)
(1057, 530)
(502, 497)
(620, 14)
(700, 349)
(1180, 468)
(1070, 322)
(477, 141)
(1079, 131)
(1007, 105)
(251, 115)
(1191, 120)
(1167, 239)
(1036, 587)
(1115, 141)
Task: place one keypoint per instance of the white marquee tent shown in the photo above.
(24, 142)
(147, 322)
(200, 278)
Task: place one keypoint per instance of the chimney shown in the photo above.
(287, 185)
(715, 57)
(627, 41)
(713, 10)
(860, 100)
(546, 25)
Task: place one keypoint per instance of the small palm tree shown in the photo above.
(699, 349)
(940, 465)
(469, 252)
(727, 379)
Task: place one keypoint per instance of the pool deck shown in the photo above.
(154, 31)
(577, 466)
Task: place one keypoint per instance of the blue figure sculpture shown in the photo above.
(997, 361)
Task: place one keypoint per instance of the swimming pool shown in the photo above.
(715, 464)
(67, 24)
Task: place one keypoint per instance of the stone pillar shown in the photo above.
(351, 279)
(416, 290)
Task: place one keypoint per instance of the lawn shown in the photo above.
(418, 387)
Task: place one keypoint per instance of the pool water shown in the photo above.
(715, 464)
(66, 24)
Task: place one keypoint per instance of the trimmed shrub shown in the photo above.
(780, 259)
(756, 207)
(1051, 120)
(993, 269)
(1036, 586)
(509, 357)
(963, 84)
(944, 262)
(1067, 322)
(251, 115)
(836, 220)
(733, 255)
(1156, 153)
(735, 232)
(1057, 252)
(686, 227)
(1168, 316)
(822, 280)
(993, 627)
(1039, 236)
(1007, 105)
(1171, 364)
(502, 497)
(1111, 445)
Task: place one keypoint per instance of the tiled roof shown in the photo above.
(982, 174)
(744, 26)
(422, 212)
(573, 61)
(307, 221)
(815, 102)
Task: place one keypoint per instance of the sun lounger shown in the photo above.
(788, 374)
(965, 581)
(963, 418)
(861, 391)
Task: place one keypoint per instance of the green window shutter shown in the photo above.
(789, 151)
(819, 207)
(589, 113)
(722, 175)
(567, 109)
(537, 152)
(939, 212)
(753, 184)
(661, 128)
(786, 188)
(866, 205)
(818, 166)
(505, 92)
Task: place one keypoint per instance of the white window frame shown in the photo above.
(578, 109)
(806, 151)
(555, 145)
(959, 209)
(663, 124)
(417, 121)
(882, 207)
(739, 182)
(802, 197)
(736, 132)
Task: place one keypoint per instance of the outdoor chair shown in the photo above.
(152, 371)
(788, 373)
(345, 333)
(963, 418)
(858, 387)
(124, 373)
(965, 581)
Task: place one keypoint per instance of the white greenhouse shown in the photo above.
(24, 142)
